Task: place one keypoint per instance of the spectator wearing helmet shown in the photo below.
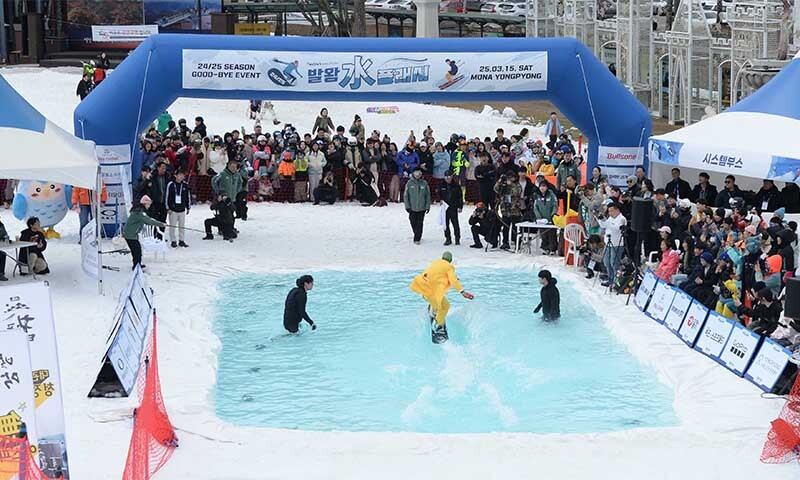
(286, 169)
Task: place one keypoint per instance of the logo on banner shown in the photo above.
(691, 321)
(715, 337)
(739, 349)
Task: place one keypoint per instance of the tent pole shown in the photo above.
(97, 200)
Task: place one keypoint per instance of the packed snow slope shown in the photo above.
(723, 418)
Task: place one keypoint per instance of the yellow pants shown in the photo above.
(440, 308)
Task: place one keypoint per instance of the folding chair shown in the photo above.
(150, 243)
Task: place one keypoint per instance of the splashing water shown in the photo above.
(371, 365)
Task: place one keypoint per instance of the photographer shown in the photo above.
(228, 183)
(509, 200)
(483, 222)
(223, 219)
(614, 225)
(326, 191)
(593, 255)
(366, 188)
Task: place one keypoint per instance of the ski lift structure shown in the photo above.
(679, 73)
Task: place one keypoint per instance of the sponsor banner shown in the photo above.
(131, 321)
(768, 365)
(115, 166)
(90, 256)
(620, 156)
(645, 289)
(17, 407)
(714, 335)
(618, 175)
(122, 33)
(28, 308)
(693, 322)
(740, 349)
(709, 158)
(677, 311)
(661, 301)
(358, 72)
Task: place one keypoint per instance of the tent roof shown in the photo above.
(37, 149)
(756, 137)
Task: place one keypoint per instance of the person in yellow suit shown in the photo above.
(433, 284)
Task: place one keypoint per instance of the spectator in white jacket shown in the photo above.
(316, 162)
(613, 225)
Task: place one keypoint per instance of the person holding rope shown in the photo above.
(137, 219)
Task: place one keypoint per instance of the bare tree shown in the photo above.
(359, 19)
(340, 22)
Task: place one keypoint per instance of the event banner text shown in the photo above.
(364, 72)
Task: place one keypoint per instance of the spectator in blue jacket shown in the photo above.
(441, 161)
(407, 160)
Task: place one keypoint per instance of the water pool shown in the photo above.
(371, 365)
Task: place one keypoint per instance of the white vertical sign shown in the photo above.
(768, 365)
(645, 289)
(714, 335)
(741, 347)
(28, 308)
(680, 304)
(695, 317)
(661, 301)
(90, 257)
(114, 160)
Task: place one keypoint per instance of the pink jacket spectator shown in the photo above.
(669, 265)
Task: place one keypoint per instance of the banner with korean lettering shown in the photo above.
(17, 410)
(28, 308)
(411, 72)
(721, 159)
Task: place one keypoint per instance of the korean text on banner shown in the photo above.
(90, 257)
(660, 303)
(364, 72)
(714, 158)
(714, 335)
(122, 33)
(740, 349)
(17, 411)
(680, 304)
(28, 308)
(645, 289)
(695, 318)
(768, 365)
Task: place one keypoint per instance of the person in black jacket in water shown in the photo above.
(295, 307)
(550, 301)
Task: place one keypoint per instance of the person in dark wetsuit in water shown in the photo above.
(294, 310)
(550, 300)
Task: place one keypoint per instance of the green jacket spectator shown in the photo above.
(545, 206)
(417, 196)
(137, 218)
(564, 170)
(227, 183)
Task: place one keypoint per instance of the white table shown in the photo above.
(537, 227)
(16, 246)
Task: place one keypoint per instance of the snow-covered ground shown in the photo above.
(723, 419)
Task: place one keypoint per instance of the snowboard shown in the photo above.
(438, 334)
(452, 82)
(278, 78)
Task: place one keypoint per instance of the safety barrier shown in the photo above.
(153, 440)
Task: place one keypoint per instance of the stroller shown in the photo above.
(626, 277)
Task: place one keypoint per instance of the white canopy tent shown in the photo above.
(36, 149)
(754, 140)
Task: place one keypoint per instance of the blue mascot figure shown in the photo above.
(49, 201)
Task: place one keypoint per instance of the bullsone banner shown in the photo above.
(364, 72)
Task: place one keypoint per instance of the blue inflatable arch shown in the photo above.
(577, 83)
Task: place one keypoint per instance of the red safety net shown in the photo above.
(17, 461)
(153, 439)
(783, 439)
